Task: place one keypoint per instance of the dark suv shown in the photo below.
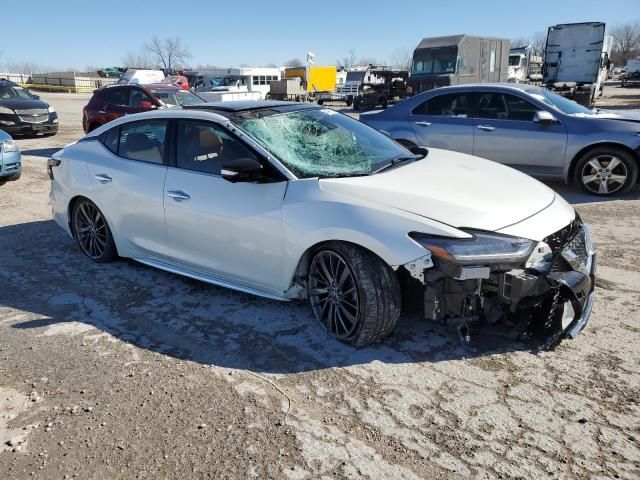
(113, 102)
(23, 113)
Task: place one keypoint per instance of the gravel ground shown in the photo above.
(121, 371)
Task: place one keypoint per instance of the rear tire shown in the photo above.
(354, 294)
(92, 233)
(595, 174)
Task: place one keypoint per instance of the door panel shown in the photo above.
(230, 230)
(233, 230)
(443, 122)
(131, 191)
(504, 132)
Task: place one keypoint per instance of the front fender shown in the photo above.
(312, 216)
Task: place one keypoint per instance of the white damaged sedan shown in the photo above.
(292, 201)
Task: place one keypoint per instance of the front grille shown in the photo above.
(33, 115)
(557, 241)
(569, 247)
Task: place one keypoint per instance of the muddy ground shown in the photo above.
(121, 371)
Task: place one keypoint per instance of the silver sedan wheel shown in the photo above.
(334, 294)
(604, 174)
(91, 230)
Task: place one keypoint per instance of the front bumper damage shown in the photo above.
(539, 307)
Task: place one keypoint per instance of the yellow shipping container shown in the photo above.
(322, 78)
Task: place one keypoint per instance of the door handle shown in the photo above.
(486, 128)
(102, 178)
(178, 195)
(423, 124)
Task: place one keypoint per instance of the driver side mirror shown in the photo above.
(242, 170)
(37, 97)
(418, 150)
(544, 118)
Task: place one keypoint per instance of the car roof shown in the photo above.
(523, 87)
(4, 81)
(238, 106)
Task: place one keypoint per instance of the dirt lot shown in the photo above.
(121, 371)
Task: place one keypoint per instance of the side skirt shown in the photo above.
(209, 279)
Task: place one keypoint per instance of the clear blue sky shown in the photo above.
(74, 34)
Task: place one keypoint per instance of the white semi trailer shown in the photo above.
(576, 60)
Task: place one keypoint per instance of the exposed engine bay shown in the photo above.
(542, 300)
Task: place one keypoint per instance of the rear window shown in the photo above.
(174, 97)
(97, 99)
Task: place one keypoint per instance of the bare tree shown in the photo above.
(367, 61)
(271, 65)
(401, 59)
(167, 53)
(520, 42)
(539, 43)
(137, 60)
(293, 62)
(206, 67)
(348, 61)
(26, 68)
(626, 42)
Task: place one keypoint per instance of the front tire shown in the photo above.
(354, 294)
(92, 233)
(606, 171)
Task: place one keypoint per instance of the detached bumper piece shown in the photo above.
(539, 306)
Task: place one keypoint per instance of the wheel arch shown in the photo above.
(304, 262)
(634, 154)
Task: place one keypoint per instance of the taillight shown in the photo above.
(52, 162)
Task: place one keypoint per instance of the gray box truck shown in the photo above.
(456, 60)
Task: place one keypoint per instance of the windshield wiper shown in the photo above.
(398, 161)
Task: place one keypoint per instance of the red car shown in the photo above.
(177, 80)
(115, 101)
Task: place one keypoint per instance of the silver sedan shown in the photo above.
(528, 128)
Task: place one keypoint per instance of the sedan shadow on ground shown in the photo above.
(57, 289)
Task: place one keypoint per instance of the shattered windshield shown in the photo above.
(322, 143)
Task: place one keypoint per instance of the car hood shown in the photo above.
(452, 188)
(25, 104)
(609, 115)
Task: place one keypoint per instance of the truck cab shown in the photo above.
(524, 66)
(456, 60)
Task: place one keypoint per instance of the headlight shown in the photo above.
(51, 109)
(483, 248)
(7, 110)
(9, 146)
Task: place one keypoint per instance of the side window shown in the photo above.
(136, 96)
(492, 105)
(110, 139)
(144, 141)
(117, 96)
(449, 105)
(519, 109)
(205, 147)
